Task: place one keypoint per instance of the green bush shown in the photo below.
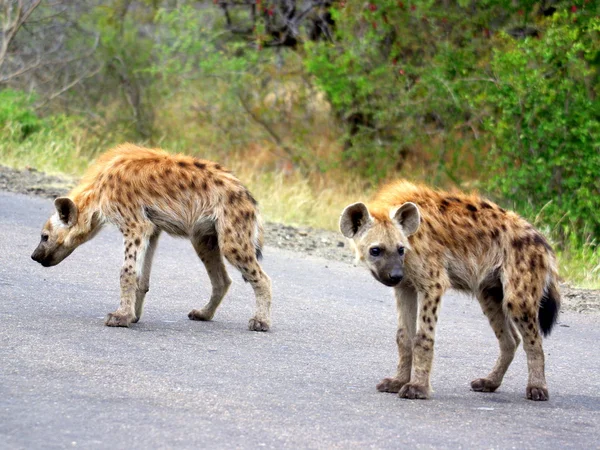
(546, 125)
(17, 113)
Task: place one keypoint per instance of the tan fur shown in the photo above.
(145, 191)
(463, 242)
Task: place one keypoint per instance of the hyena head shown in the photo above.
(61, 234)
(381, 243)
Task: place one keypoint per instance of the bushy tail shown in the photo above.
(549, 306)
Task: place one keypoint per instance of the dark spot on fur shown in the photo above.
(137, 241)
(200, 165)
(192, 184)
(204, 186)
(532, 342)
(471, 208)
(218, 167)
(486, 205)
(434, 310)
(424, 307)
(503, 226)
(509, 305)
(503, 211)
(495, 234)
(252, 199)
(444, 206)
(168, 171)
(219, 182)
(525, 318)
(517, 243)
(538, 239)
(430, 328)
(183, 164)
(532, 263)
(438, 286)
(455, 199)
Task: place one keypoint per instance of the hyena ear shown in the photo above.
(408, 217)
(354, 218)
(67, 211)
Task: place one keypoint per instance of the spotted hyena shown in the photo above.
(146, 191)
(422, 242)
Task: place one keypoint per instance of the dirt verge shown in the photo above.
(326, 244)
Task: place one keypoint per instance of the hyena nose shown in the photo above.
(395, 278)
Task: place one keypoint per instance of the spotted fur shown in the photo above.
(428, 241)
(146, 191)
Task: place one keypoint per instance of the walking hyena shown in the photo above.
(145, 191)
(423, 242)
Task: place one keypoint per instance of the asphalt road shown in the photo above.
(66, 380)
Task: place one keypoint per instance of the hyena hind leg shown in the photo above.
(508, 339)
(207, 249)
(525, 318)
(244, 258)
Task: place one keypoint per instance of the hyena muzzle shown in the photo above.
(422, 242)
(147, 191)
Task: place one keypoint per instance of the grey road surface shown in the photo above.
(67, 381)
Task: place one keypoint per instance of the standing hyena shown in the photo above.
(423, 242)
(145, 191)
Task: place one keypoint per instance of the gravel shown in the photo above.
(321, 243)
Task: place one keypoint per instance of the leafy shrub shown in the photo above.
(16, 110)
(546, 125)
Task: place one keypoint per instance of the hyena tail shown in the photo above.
(549, 306)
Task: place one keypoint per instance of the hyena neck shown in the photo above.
(89, 219)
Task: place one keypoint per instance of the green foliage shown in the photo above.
(546, 125)
(17, 114)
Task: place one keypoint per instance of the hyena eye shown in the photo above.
(401, 251)
(44, 237)
(375, 251)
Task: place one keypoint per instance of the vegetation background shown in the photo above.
(314, 103)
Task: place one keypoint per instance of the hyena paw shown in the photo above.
(390, 385)
(484, 385)
(200, 314)
(537, 393)
(118, 320)
(258, 325)
(414, 391)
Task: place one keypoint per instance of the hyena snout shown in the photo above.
(40, 256)
(392, 278)
(390, 275)
(49, 257)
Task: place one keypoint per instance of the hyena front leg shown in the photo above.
(207, 248)
(508, 339)
(429, 305)
(406, 304)
(136, 239)
(144, 279)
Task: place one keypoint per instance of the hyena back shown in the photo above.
(146, 191)
(422, 242)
